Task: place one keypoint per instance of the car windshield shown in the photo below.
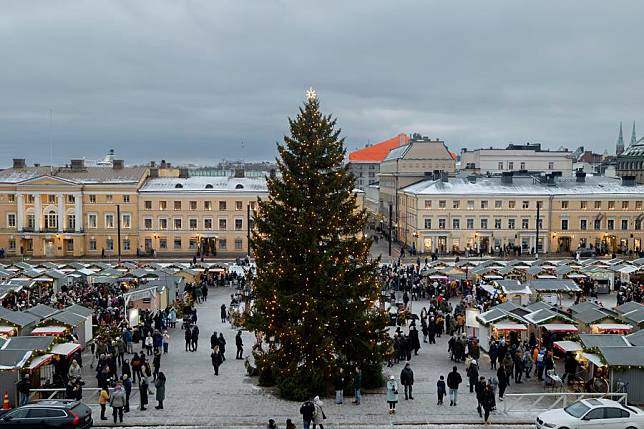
(577, 409)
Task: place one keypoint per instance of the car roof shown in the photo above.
(601, 402)
(53, 403)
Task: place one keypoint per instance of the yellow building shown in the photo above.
(490, 214)
(68, 211)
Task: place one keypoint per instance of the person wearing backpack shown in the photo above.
(307, 409)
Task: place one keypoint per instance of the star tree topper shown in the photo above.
(311, 94)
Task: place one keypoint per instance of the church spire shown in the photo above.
(633, 136)
(620, 141)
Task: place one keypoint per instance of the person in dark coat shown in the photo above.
(473, 374)
(494, 353)
(502, 377)
(222, 346)
(479, 388)
(214, 340)
(415, 341)
(487, 401)
(143, 392)
(127, 386)
(407, 380)
(215, 359)
(188, 337)
(195, 338)
(240, 346)
(159, 385)
(223, 313)
(441, 391)
(454, 379)
(570, 367)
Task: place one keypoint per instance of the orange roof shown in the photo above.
(378, 151)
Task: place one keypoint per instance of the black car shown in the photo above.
(49, 413)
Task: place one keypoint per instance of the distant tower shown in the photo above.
(620, 141)
(633, 136)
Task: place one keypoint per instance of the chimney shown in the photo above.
(117, 164)
(19, 163)
(77, 165)
(153, 164)
(163, 164)
(581, 176)
(239, 173)
(506, 177)
(272, 173)
(444, 177)
(154, 172)
(183, 173)
(628, 181)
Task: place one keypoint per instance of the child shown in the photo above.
(440, 385)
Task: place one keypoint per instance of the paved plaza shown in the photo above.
(194, 396)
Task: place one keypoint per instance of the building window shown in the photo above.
(222, 224)
(31, 222)
(456, 224)
(222, 206)
(525, 204)
(442, 204)
(238, 244)
(624, 224)
(252, 203)
(51, 199)
(470, 223)
(525, 223)
(222, 243)
(638, 225)
(177, 243)
(625, 204)
(456, 204)
(192, 244)
(598, 204)
(564, 224)
(470, 204)
(511, 223)
(497, 223)
(540, 223)
(126, 220)
(177, 205)
(193, 205)
(51, 220)
(147, 223)
(500, 166)
(597, 224)
(564, 205)
(611, 205)
(551, 165)
(11, 198)
(108, 198)
(109, 244)
(583, 205)
(239, 205)
(498, 204)
(126, 244)
(11, 220)
(163, 243)
(109, 220)
(177, 223)
(611, 224)
(92, 199)
(522, 165)
(638, 205)
(92, 245)
(163, 205)
(510, 165)
(441, 223)
(192, 223)
(583, 224)
(12, 244)
(29, 198)
(239, 224)
(483, 223)
(428, 224)
(207, 224)
(428, 204)
(91, 220)
(207, 205)
(163, 223)
(126, 198)
(484, 204)
(70, 199)
(147, 205)
(511, 204)
(71, 222)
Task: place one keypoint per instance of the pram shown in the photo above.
(553, 381)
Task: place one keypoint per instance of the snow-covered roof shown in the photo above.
(522, 186)
(205, 184)
(88, 175)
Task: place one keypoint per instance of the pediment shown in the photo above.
(47, 180)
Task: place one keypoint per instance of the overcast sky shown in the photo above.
(192, 80)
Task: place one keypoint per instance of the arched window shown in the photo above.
(51, 220)
(239, 186)
(209, 186)
(178, 186)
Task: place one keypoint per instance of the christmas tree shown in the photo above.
(316, 289)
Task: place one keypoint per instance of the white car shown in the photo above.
(592, 413)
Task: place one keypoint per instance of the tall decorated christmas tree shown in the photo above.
(316, 289)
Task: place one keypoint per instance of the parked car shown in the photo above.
(592, 413)
(49, 413)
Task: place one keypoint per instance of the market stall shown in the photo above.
(17, 322)
(74, 324)
(552, 290)
(514, 291)
(11, 363)
(625, 368)
(496, 323)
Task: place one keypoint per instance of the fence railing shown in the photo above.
(90, 394)
(537, 402)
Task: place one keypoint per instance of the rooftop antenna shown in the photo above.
(51, 141)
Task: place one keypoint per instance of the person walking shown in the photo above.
(103, 399)
(188, 337)
(136, 367)
(480, 387)
(240, 345)
(473, 374)
(127, 386)
(166, 341)
(195, 337)
(215, 358)
(487, 402)
(222, 346)
(407, 380)
(392, 394)
(143, 391)
(159, 385)
(156, 363)
(502, 377)
(307, 409)
(440, 389)
(453, 381)
(149, 342)
(223, 313)
(318, 414)
(339, 386)
(214, 340)
(357, 384)
(117, 401)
